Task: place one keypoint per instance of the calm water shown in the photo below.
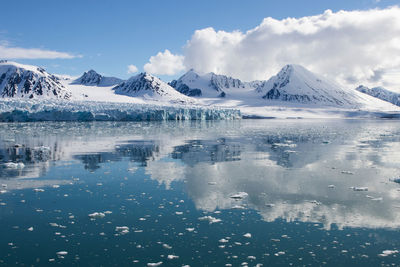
(249, 192)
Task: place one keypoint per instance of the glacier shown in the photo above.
(20, 110)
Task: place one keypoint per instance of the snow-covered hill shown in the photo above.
(149, 87)
(210, 84)
(25, 81)
(296, 84)
(92, 78)
(381, 93)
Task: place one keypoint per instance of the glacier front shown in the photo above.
(18, 110)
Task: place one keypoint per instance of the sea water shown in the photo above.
(216, 193)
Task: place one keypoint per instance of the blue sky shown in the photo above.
(109, 35)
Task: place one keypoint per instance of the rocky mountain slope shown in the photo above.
(381, 93)
(25, 81)
(209, 85)
(295, 83)
(149, 87)
(92, 78)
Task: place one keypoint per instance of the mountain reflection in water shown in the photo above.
(305, 171)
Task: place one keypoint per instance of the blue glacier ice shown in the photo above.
(12, 110)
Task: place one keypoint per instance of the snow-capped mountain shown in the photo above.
(92, 78)
(295, 83)
(209, 85)
(381, 93)
(149, 87)
(25, 81)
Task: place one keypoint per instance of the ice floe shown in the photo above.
(210, 219)
(239, 195)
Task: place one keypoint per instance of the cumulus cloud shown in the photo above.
(9, 52)
(132, 69)
(164, 63)
(350, 47)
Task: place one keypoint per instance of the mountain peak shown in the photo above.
(26, 81)
(295, 83)
(208, 85)
(92, 78)
(148, 86)
(381, 93)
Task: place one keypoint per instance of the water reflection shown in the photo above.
(305, 171)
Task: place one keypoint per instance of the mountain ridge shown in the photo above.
(148, 86)
(26, 81)
(92, 78)
(381, 93)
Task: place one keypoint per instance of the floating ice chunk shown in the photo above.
(13, 165)
(355, 188)
(212, 183)
(132, 169)
(3, 191)
(154, 264)
(55, 186)
(239, 195)
(30, 229)
(347, 172)
(210, 219)
(247, 235)
(166, 246)
(4, 185)
(251, 257)
(279, 253)
(238, 207)
(62, 253)
(171, 257)
(283, 145)
(315, 202)
(388, 252)
(178, 212)
(223, 240)
(97, 215)
(270, 205)
(331, 186)
(122, 230)
(38, 190)
(190, 229)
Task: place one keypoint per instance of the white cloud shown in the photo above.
(352, 47)
(164, 63)
(8, 52)
(132, 69)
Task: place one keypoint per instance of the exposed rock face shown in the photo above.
(381, 93)
(148, 86)
(208, 85)
(92, 78)
(24, 81)
(294, 83)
